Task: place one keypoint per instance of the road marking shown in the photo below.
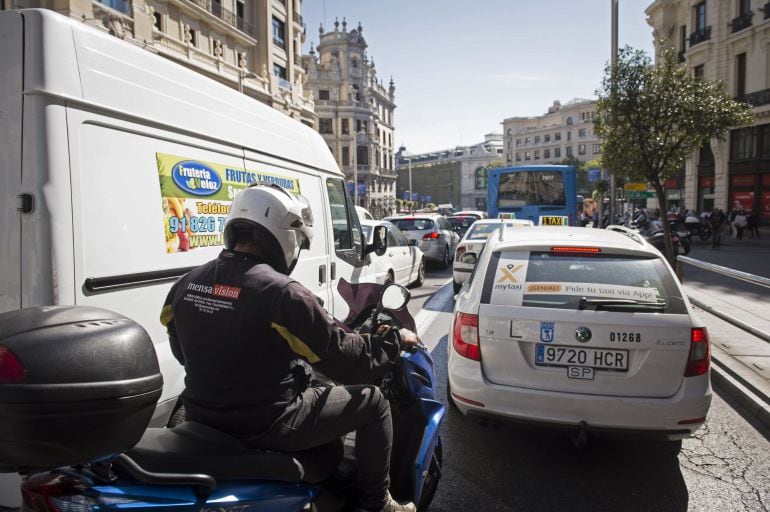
(431, 311)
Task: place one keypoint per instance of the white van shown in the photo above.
(118, 168)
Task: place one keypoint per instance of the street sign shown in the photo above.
(634, 194)
(636, 187)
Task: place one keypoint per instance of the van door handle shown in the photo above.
(322, 274)
(334, 271)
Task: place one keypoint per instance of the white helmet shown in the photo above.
(279, 222)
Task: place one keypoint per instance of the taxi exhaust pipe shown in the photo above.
(581, 439)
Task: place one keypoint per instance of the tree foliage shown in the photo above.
(652, 117)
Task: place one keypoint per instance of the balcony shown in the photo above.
(297, 19)
(757, 98)
(699, 36)
(742, 21)
(228, 17)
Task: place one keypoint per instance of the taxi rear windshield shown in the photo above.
(413, 224)
(607, 282)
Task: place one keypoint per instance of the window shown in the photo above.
(581, 149)
(523, 188)
(509, 131)
(193, 37)
(569, 121)
(528, 155)
(518, 156)
(682, 39)
(354, 63)
(740, 75)
(345, 226)
(569, 151)
(323, 94)
(239, 10)
(362, 155)
(546, 153)
(557, 152)
(280, 72)
(345, 155)
(569, 135)
(537, 154)
(557, 136)
(582, 132)
(361, 126)
(744, 7)
(527, 140)
(278, 33)
(699, 13)
(518, 142)
(345, 126)
(356, 93)
(325, 126)
(597, 148)
(537, 139)
(547, 137)
(481, 178)
(157, 20)
(743, 144)
(698, 71)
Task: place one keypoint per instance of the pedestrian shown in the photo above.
(717, 220)
(740, 223)
(752, 224)
(731, 219)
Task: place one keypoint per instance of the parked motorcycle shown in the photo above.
(654, 233)
(78, 386)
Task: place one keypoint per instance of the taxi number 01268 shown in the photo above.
(626, 337)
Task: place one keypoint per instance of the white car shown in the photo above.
(402, 263)
(581, 328)
(363, 213)
(472, 243)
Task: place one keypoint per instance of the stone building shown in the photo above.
(250, 45)
(564, 131)
(455, 176)
(727, 42)
(355, 114)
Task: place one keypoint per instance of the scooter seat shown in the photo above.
(196, 448)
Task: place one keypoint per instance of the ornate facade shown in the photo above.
(253, 46)
(565, 131)
(726, 42)
(355, 115)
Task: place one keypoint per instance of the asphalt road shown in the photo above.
(726, 466)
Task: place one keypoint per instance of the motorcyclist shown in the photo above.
(247, 335)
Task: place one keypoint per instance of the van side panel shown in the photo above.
(11, 69)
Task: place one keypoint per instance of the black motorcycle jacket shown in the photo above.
(247, 335)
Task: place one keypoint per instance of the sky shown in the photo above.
(462, 66)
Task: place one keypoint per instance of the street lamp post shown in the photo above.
(613, 78)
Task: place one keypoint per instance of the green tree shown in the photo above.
(495, 164)
(652, 117)
(581, 173)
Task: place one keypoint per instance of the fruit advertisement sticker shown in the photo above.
(196, 198)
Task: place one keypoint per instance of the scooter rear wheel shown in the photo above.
(430, 484)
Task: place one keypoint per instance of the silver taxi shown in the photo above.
(582, 328)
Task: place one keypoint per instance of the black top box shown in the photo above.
(77, 383)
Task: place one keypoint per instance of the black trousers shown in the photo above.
(321, 415)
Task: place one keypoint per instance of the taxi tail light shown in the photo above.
(465, 336)
(431, 236)
(11, 369)
(699, 360)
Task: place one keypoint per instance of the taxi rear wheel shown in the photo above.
(445, 260)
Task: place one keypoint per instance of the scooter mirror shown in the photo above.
(394, 296)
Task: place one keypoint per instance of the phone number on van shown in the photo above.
(201, 224)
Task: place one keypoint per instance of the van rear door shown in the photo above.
(11, 86)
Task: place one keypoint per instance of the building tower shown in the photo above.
(355, 115)
(253, 46)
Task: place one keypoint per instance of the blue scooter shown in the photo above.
(192, 467)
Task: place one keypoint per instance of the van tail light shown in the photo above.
(431, 236)
(55, 492)
(465, 336)
(11, 369)
(699, 359)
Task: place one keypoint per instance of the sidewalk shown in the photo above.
(741, 361)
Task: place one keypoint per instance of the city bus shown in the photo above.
(531, 191)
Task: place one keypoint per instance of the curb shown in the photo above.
(741, 391)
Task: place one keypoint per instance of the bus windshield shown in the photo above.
(524, 188)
